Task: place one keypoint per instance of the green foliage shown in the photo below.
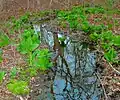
(94, 10)
(62, 39)
(78, 20)
(16, 25)
(28, 45)
(18, 87)
(41, 59)
(13, 72)
(4, 40)
(2, 74)
(32, 71)
(94, 36)
(116, 40)
(111, 55)
(29, 42)
(72, 17)
(108, 41)
(85, 26)
(28, 72)
(106, 36)
(25, 18)
(19, 23)
(106, 46)
(110, 3)
(1, 52)
(1, 59)
(24, 74)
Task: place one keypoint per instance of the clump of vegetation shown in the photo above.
(77, 20)
(16, 25)
(18, 87)
(41, 59)
(2, 74)
(108, 42)
(13, 72)
(1, 52)
(73, 17)
(4, 40)
(28, 45)
(94, 10)
(29, 42)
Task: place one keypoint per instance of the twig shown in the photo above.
(105, 94)
(118, 72)
(28, 4)
(50, 3)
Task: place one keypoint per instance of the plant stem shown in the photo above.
(30, 56)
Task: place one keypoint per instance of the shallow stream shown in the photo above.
(74, 67)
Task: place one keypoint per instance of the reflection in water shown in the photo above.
(74, 71)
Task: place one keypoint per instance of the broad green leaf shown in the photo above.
(2, 74)
(116, 40)
(4, 40)
(18, 87)
(94, 36)
(1, 52)
(107, 36)
(13, 72)
(110, 55)
(41, 59)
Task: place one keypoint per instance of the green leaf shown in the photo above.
(29, 42)
(107, 36)
(110, 55)
(13, 72)
(107, 46)
(1, 52)
(116, 40)
(94, 36)
(18, 87)
(4, 40)
(2, 74)
(41, 59)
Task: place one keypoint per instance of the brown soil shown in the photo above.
(18, 7)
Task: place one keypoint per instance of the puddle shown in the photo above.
(74, 67)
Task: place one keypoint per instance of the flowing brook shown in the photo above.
(74, 67)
